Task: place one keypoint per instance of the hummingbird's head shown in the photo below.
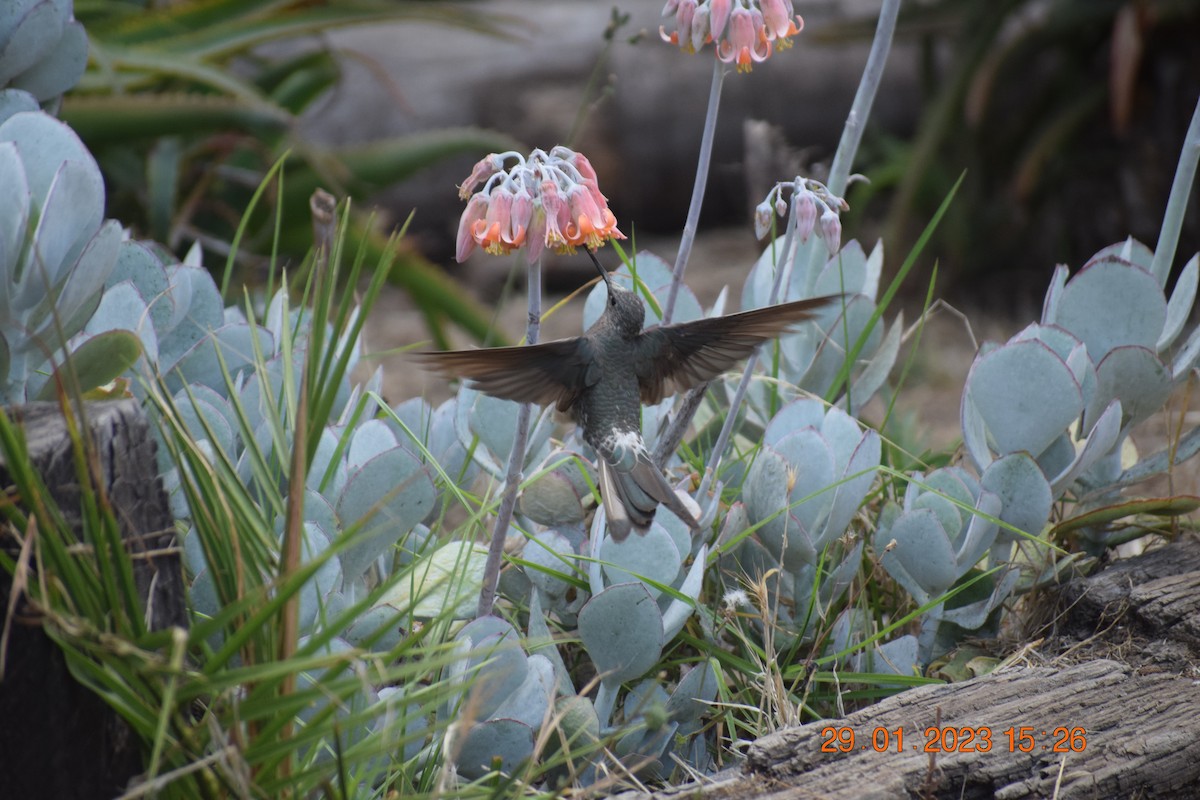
(625, 309)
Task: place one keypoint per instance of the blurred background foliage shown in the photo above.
(186, 105)
(1067, 115)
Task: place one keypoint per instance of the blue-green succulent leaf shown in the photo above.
(1024, 494)
(1025, 395)
(622, 631)
(1187, 356)
(541, 642)
(1054, 294)
(1110, 303)
(503, 743)
(845, 273)
(1101, 440)
(1129, 250)
(122, 307)
(804, 412)
(14, 101)
(197, 412)
(32, 30)
(495, 669)
(980, 533)
(369, 439)
(1135, 376)
(876, 372)
(652, 556)
(531, 700)
(1179, 307)
(551, 551)
(44, 143)
(60, 69)
(678, 611)
(696, 690)
(923, 550)
(392, 492)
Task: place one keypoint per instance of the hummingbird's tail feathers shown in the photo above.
(631, 498)
(620, 510)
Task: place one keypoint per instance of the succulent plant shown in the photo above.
(1102, 360)
(56, 252)
(813, 471)
(947, 523)
(813, 357)
(508, 696)
(43, 50)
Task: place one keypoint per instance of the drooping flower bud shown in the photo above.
(831, 231)
(764, 213)
(806, 214)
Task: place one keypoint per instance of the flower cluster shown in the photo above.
(745, 31)
(816, 210)
(543, 200)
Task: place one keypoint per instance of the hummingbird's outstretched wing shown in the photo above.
(674, 358)
(555, 372)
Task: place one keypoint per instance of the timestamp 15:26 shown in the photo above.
(1024, 739)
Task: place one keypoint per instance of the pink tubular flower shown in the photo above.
(745, 43)
(718, 16)
(764, 212)
(476, 211)
(558, 218)
(581, 163)
(591, 225)
(746, 32)
(780, 20)
(831, 231)
(492, 232)
(544, 200)
(484, 168)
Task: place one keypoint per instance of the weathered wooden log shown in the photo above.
(1096, 728)
(57, 738)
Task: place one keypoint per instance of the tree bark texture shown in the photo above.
(57, 738)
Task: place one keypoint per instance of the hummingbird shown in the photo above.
(602, 379)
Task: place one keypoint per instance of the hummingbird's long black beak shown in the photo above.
(603, 272)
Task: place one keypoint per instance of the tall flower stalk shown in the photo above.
(743, 32)
(812, 210)
(543, 200)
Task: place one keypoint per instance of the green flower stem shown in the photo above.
(693, 217)
(1185, 174)
(516, 458)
